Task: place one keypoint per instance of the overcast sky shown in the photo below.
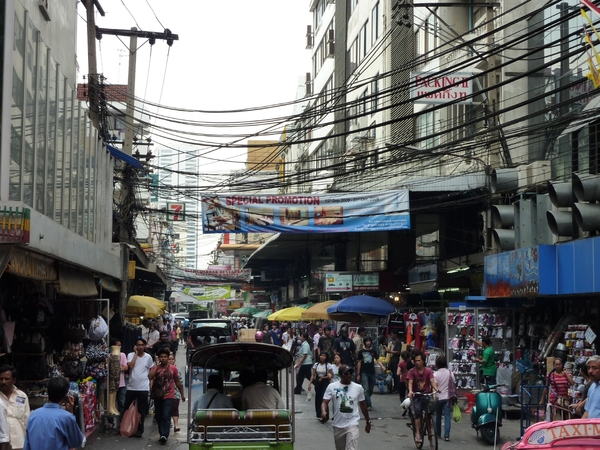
(231, 54)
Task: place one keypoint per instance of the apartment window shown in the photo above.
(375, 94)
(364, 44)
(362, 103)
(353, 5)
(353, 56)
(318, 14)
(427, 125)
(375, 25)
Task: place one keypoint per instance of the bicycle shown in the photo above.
(427, 423)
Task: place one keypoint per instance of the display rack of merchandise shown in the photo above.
(463, 323)
(460, 324)
(579, 351)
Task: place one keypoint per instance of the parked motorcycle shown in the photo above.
(486, 416)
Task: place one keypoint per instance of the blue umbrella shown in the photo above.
(362, 304)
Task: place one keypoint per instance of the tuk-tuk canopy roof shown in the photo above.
(238, 356)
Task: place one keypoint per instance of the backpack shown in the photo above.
(162, 382)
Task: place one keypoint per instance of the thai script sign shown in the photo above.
(328, 213)
(430, 87)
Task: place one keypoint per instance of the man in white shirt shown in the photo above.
(138, 386)
(17, 406)
(213, 398)
(153, 336)
(316, 338)
(4, 433)
(347, 397)
(260, 395)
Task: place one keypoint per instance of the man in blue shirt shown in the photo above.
(51, 427)
(592, 404)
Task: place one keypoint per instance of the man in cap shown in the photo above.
(346, 397)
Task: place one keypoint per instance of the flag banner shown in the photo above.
(211, 276)
(306, 213)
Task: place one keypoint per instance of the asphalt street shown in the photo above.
(389, 429)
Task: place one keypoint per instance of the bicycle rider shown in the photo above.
(420, 381)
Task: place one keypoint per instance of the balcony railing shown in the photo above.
(14, 225)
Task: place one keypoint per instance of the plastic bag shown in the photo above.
(98, 329)
(131, 420)
(456, 414)
(308, 396)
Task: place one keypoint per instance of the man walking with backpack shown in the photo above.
(164, 378)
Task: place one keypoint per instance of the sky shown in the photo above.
(231, 54)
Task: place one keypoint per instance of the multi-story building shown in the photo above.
(56, 176)
(177, 181)
(465, 106)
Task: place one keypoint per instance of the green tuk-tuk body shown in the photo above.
(228, 429)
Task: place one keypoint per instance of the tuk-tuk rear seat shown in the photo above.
(233, 425)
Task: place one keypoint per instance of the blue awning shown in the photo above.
(116, 153)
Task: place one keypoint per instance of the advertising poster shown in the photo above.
(306, 213)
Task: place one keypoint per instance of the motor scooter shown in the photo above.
(486, 416)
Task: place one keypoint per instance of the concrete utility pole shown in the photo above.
(94, 85)
(133, 35)
(129, 126)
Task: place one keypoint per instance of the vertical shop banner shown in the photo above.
(305, 213)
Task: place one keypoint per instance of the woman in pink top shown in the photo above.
(444, 404)
(401, 372)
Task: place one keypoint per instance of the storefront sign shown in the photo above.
(590, 336)
(336, 282)
(222, 306)
(365, 282)
(330, 213)
(429, 87)
(176, 212)
(524, 272)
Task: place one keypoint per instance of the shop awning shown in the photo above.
(76, 282)
(116, 153)
(111, 284)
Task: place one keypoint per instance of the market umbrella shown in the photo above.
(362, 304)
(150, 300)
(319, 312)
(293, 314)
(265, 314)
(139, 307)
(245, 311)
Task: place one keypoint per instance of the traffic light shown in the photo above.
(560, 221)
(503, 222)
(586, 212)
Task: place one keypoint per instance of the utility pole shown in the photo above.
(133, 35)
(125, 214)
(94, 85)
(129, 125)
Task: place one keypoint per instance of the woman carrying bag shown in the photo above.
(322, 373)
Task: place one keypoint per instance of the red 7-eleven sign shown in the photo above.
(176, 212)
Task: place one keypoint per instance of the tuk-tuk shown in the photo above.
(220, 429)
